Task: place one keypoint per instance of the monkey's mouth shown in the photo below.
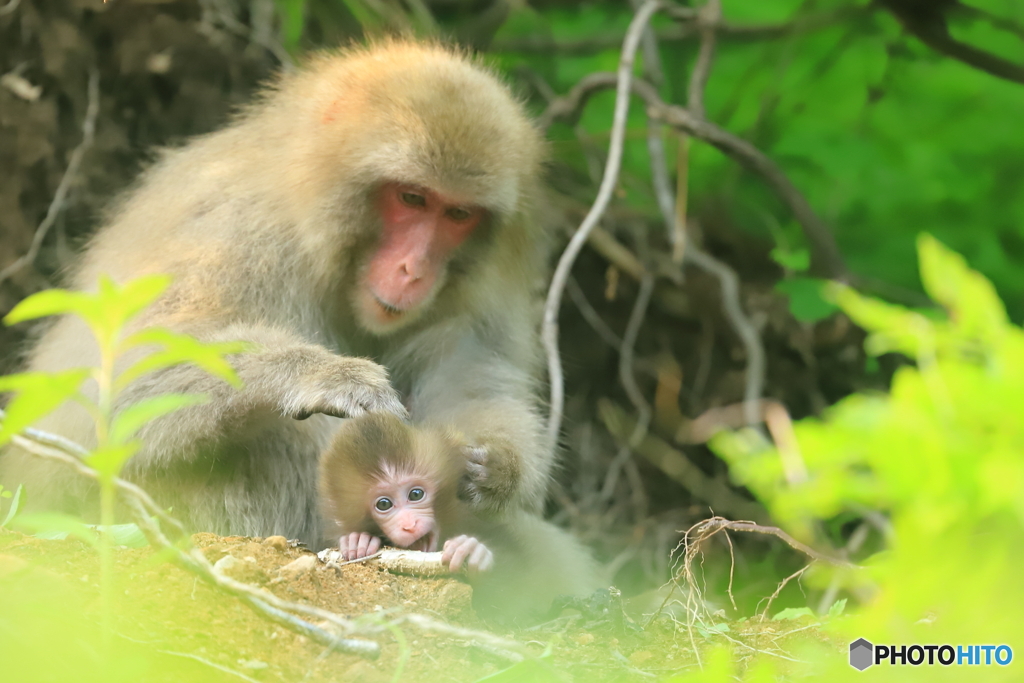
(426, 543)
(390, 311)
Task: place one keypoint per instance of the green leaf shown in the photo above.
(179, 349)
(109, 461)
(793, 613)
(837, 608)
(55, 526)
(106, 311)
(971, 299)
(132, 418)
(51, 302)
(118, 305)
(36, 395)
(807, 301)
(797, 260)
(128, 535)
(15, 504)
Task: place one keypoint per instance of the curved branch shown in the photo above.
(549, 330)
(929, 26)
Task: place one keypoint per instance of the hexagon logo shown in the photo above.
(862, 654)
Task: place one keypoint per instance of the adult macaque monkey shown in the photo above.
(383, 479)
(371, 211)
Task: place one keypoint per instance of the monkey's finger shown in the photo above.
(461, 553)
(481, 560)
(365, 542)
(450, 546)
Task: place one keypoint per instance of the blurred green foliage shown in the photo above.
(940, 456)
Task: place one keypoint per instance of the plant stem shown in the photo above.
(105, 380)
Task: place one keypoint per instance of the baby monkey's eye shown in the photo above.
(383, 504)
(416, 494)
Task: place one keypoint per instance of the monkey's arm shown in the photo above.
(491, 401)
(282, 376)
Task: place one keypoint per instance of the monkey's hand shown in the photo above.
(343, 387)
(467, 550)
(492, 476)
(358, 545)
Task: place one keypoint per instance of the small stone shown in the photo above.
(276, 542)
(640, 656)
(298, 567)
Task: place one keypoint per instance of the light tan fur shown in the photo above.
(266, 226)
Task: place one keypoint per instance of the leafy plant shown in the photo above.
(941, 456)
(108, 313)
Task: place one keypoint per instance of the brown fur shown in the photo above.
(265, 226)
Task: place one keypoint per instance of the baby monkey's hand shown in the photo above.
(477, 557)
(357, 545)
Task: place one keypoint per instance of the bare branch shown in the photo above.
(707, 18)
(549, 331)
(928, 24)
(88, 133)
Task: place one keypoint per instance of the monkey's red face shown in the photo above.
(403, 508)
(420, 231)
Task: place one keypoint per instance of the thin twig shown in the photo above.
(88, 133)
(628, 379)
(715, 524)
(549, 331)
(591, 316)
(741, 324)
(707, 18)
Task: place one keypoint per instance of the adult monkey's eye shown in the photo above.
(383, 504)
(416, 494)
(458, 213)
(412, 199)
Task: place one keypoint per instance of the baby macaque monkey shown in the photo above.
(382, 479)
